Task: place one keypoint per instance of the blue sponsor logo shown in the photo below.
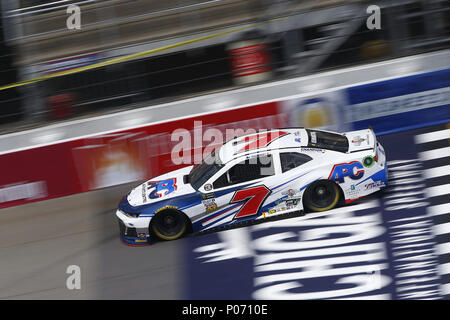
(161, 188)
(354, 170)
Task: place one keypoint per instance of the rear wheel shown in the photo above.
(169, 224)
(321, 195)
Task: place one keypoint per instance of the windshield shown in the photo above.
(327, 140)
(201, 173)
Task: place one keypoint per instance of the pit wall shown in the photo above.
(102, 160)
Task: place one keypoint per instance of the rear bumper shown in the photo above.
(133, 231)
(382, 161)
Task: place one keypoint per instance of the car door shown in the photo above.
(238, 191)
(296, 173)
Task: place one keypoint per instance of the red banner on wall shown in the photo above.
(106, 160)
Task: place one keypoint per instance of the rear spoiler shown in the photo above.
(361, 140)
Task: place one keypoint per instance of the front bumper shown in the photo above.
(133, 231)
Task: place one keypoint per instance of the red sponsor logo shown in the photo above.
(254, 198)
(250, 60)
(260, 140)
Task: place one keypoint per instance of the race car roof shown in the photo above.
(263, 141)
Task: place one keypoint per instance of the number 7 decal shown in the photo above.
(254, 198)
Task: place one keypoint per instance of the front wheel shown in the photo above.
(169, 224)
(321, 195)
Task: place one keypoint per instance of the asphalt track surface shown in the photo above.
(39, 241)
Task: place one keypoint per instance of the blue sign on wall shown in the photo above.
(400, 104)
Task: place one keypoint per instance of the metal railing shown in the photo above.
(32, 7)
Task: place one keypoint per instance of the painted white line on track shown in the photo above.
(442, 228)
(445, 289)
(305, 253)
(439, 209)
(444, 268)
(435, 154)
(312, 273)
(437, 172)
(438, 190)
(443, 248)
(433, 136)
(296, 265)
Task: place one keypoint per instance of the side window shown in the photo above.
(291, 160)
(221, 182)
(247, 170)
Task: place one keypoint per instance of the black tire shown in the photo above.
(169, 224)
(321, 195)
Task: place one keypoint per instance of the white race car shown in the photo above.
(252, 177)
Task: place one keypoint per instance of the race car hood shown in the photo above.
(160, 188)
(361, 140)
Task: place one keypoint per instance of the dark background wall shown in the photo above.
(10, 102)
